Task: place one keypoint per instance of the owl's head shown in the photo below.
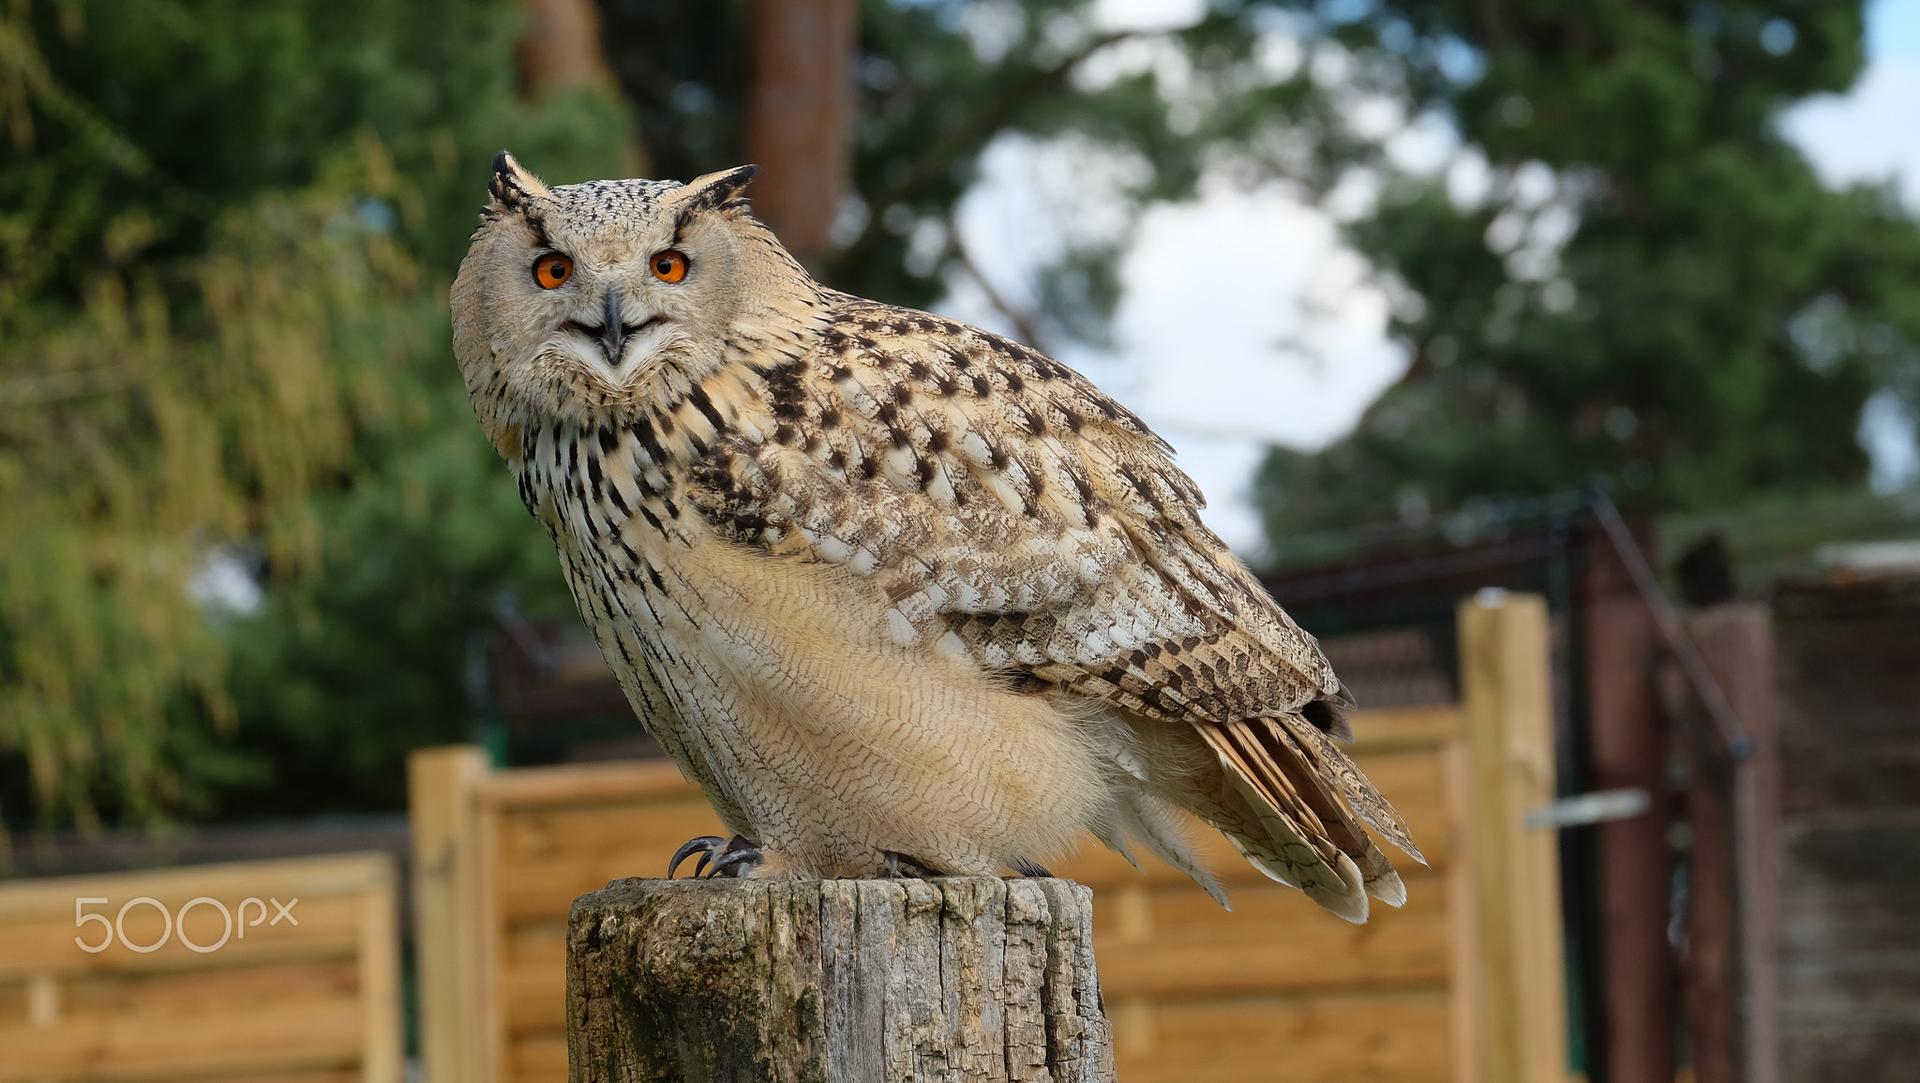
(591, 303)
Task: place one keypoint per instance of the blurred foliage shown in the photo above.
(1655, 288)
(229, 228)
(938, 81)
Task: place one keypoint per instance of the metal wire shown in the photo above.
(1735, 742)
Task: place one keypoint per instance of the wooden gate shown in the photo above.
(1465, 983)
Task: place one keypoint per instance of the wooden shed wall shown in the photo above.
(1850, 864)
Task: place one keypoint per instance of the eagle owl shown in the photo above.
(899, 594)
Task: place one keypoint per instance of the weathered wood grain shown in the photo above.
(961, 979)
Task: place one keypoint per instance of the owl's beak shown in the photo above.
(613, 332)
(613, 335)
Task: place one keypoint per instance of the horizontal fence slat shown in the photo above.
(537, 1060)
(1394, 1035)
(329, 928)
(102, 998)
(341, 1075)
(294, 1033)
(572, 785)
(1167, 941)
(1401, 727)
(306, 877)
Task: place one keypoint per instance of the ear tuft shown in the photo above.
(512, 185)
(714, 190)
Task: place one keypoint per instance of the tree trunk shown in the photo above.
(561, 47)
(800, 113)
(956, 979)
(562, 50)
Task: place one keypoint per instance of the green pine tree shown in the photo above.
(1713, 322)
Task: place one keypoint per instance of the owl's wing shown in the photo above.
(1011, 511)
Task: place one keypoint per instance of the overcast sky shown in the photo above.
(1245, 321)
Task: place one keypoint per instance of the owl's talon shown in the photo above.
(900, 866)
(705, 845)
(736, 861)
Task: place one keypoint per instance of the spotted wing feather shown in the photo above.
(1012, 512)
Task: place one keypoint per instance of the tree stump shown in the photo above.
(955, 979)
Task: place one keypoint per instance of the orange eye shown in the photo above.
(552, 270)
(670, 265)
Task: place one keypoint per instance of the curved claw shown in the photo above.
(707, 843)
(901, 866)
(735, 862)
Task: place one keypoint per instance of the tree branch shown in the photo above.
(1023, 325)
(967, 137)
(41, 389)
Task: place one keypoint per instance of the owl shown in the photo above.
(902, 596)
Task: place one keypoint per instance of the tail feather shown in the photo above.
(1276, 830)
(1304, 803)
(1333, 765)
(1343, 830)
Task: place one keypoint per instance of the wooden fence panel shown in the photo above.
(1275, 989)
(1512, 965)
(198, 982)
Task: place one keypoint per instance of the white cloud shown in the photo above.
(1245, 322)
(1244, 319)
(1148, 14)
(1888, 430)
(1869, 133)
(1244, 314)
